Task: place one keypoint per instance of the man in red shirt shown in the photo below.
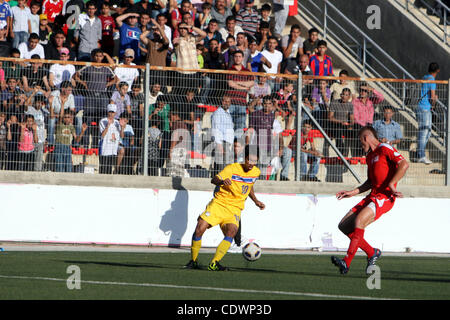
(177, 14)
(52, 8)
(108, 29)
(386, 166)
(239, 86)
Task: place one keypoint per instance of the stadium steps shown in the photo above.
(429, 26)
(344, 60)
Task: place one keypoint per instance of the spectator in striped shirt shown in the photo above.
(239, 85)
(248, 18)
(319, 63)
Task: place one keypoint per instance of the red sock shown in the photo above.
(357, 236)
(364, 246)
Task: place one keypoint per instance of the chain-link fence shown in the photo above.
(415, 122)
(89, 118)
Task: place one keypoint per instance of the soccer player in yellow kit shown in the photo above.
(233, 185)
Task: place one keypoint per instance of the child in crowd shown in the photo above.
(200, 50)
(44, 29)
(205, 16)
(34, 17)
(28, 137)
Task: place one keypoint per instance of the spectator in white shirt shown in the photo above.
(222, 132)
(21, 25)
(230, 28)
(124, 74)
(109, 141)
(32, 47)
(34, 16)
(275, 58)
(61, 72)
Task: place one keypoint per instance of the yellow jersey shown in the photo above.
(241, 184)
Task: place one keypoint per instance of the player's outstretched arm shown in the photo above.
(350, 193)
(258, 203)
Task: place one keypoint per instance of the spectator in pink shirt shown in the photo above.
(363, 106)
(28, 138)
(363, 111)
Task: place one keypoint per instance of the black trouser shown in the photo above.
(237, 237)
(12, 160)
(343, 137)
(93, 112)
(107, 163)
(153, 167)
(222, 159)
(25, 161)
(355, 144)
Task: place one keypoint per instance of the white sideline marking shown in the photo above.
(156, 285)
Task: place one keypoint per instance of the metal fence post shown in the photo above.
(298, 132)
(364, 57)
(325, 9)
(445, 26)
(146, 114)
(447, 131)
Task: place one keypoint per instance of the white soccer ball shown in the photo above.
(251, 251)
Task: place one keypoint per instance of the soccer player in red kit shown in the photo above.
(386, 166)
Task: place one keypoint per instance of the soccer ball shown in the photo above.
(251, 251)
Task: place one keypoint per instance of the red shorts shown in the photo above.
(380, 203)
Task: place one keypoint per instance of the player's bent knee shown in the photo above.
(201, 227)
(365, 217)
(230, 230)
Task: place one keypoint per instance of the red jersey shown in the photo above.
(382, 164)
(321, 68)
(238, 96)
(52, 9)
(108, 25)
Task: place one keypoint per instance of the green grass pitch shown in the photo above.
(160, 276)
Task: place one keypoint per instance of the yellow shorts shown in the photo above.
(216, 213)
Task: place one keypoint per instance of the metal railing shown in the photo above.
(368, 56)
(438, 9)
(199, 120)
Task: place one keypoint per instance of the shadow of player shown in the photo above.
(175, 219)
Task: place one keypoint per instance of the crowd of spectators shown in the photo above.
(61, 105)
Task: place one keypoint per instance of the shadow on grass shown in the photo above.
(386, 275)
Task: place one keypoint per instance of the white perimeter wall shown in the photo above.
(77, 214)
